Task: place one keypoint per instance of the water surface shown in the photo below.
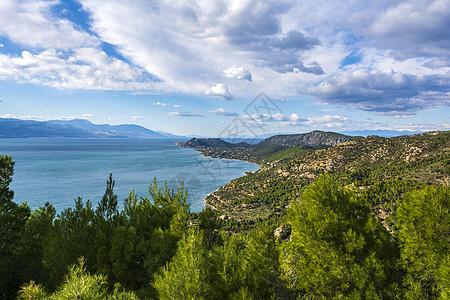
(60, 170)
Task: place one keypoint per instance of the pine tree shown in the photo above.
(13, 218)
(424, 230)
(189, 275)
(337, 248)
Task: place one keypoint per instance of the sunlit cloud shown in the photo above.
(220, 90)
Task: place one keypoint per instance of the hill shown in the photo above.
(314, 139)
(205, 143)
(382, 169)
(15, 128)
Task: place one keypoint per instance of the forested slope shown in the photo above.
(381, 169)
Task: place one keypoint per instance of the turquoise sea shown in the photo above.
(60, 170)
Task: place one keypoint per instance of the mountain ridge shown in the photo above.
(77, 128)
(314, 138)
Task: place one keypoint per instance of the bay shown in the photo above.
(60, 170)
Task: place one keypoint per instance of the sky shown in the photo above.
(218, 68)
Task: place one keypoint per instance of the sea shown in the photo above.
(61, 170)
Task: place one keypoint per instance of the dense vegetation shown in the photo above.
(381, 169)
(259, 156)
(369, 229)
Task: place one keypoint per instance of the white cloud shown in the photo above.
(11, 116)
(184, 114)
(238, 73)
(385, 92)
(327, 121)
(260, 119)
(223, 112)
(30, 22)
(188, 44)
(136, 118)
(68, 118)
(42, 118)
(414, 127)
(86, 68)
(164, 104)
(220, 90)
(182, 46)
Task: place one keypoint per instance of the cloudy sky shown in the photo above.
(196, 68)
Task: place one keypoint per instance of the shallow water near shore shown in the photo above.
(60, 170)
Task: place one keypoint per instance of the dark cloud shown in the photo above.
(299, 67)
(294, 40)
(387, 93)
(255, 22)
(282, 62)
(257, 29)
(414, 28)
(281, 100)
(313, 69)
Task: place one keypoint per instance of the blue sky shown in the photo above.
(195, 67)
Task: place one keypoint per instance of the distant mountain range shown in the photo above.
(363, 133)
(313, 139)
(15, 128)
(381, 133)
(78, 128)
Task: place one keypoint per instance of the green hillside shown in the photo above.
(370, 165)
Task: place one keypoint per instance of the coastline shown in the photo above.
(245, 173)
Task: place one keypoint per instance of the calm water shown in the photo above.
(60, 170)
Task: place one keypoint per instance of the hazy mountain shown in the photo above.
(382, 133)
(15, 128)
